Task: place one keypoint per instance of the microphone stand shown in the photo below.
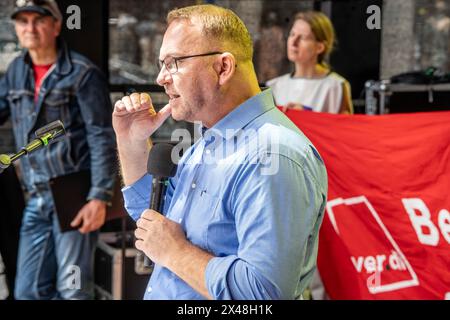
(5, 162)
(44, 136)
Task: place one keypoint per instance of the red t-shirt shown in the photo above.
(39, 73)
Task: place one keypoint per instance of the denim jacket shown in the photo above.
(75, 92)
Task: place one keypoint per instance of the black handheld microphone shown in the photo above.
(44, 136)
(161, 167)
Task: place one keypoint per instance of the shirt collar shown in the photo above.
(241, 116)
(64, 64)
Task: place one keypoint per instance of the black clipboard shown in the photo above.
(70, 193)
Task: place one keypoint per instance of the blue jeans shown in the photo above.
(51, 264)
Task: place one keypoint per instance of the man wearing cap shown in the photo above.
(49, 82)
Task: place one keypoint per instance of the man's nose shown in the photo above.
(30, 26)
(164, 76)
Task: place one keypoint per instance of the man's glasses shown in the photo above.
(171, 63)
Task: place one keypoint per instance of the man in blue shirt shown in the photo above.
(242, 214)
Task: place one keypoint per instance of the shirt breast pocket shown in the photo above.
(19, 107)
(196, 220)
(221, 237)
(56, 106)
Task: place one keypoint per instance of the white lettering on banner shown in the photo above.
(422, 222)
(358, 263)
(372, 264)
(396, 262)
(444, 224)
(375, 264)
(369, 264)
(374, 281)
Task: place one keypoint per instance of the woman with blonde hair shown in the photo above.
(312, 85)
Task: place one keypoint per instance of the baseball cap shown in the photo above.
(44, 7)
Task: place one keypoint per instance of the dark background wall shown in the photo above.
(11, 207)
(357, 55)
(92, 39)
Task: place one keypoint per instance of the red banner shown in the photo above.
(386, 230)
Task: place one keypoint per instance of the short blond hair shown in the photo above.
(323, 31)
(222, 26)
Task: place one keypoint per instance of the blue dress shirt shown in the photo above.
(251, 191)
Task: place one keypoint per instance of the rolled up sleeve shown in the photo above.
(137, 196)
(230, 278)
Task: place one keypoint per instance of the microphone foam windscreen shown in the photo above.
(160, 162)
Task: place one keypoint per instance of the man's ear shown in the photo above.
(225, 67)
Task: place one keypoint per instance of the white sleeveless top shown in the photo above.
(321, 95)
